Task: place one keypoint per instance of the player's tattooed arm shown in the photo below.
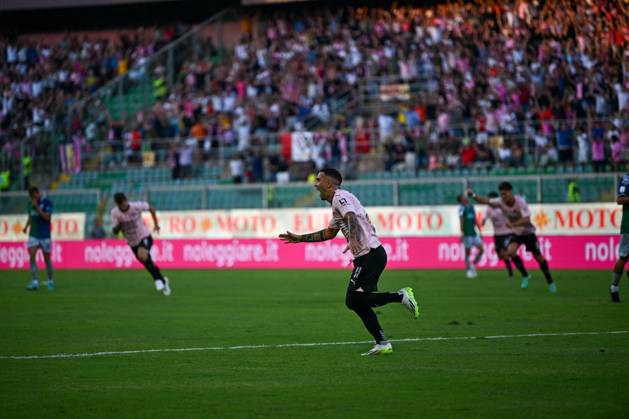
(352, 226)
(317, 236)
(354, 232)
(320, 236)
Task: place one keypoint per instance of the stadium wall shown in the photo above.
(572, 236)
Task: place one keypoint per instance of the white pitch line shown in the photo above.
(304, 345)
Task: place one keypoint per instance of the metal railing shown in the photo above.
(121, 154)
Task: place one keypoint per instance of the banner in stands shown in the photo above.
(303, 147)
(65, 226)
(395, 92)
(426, 221)
(562, 252)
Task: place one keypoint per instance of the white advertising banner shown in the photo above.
(421, 221)
(65, 226)
(577, 219)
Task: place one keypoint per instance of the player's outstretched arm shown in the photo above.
(317, 236)
(477, 198)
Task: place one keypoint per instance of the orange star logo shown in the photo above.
(17, 228)
(541, 220)
(206, 225)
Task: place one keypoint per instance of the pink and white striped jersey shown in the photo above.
(498, 220)
(344, 202)
(131, 222)
(519, 209)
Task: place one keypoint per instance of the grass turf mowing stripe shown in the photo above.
(302, 345)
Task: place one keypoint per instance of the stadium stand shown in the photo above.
(412, 102)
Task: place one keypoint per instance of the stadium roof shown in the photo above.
(53, 4)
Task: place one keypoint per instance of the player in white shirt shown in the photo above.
(370, 258)
(516, 209)
(502, 237)
(127, 217)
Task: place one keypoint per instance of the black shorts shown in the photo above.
(367, 270)
(528, 240)
(501, 242)
(146, 243)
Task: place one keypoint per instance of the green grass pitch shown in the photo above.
(555, 376)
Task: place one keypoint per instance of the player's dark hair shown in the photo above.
(505, 186)
(33, 190)
(459, 197)
(119, 198)
(333, 173)
(492, 195)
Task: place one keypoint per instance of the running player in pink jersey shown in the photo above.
(370, 258)
(127, 217)
(516, 209)
(502, 236)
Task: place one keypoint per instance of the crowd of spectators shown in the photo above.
(493, 84)
(41, 78)
(496, 84)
